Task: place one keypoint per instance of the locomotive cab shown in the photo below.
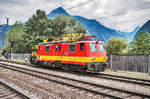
(97, 54)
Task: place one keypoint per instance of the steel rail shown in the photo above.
(97, 85)
(105, 76)
(14, 90)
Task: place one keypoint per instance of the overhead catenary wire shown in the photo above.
(26, 12)
(123, 13)
(81, 4)
(33, 6)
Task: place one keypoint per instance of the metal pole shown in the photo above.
(11, 46)
(3, 36)
(10, 53)
(7, 35)
(148, 65)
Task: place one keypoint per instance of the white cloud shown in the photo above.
(23, 10)
(124, 15)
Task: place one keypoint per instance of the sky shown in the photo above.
(122, 15)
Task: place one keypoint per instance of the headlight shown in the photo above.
(106, 58)
(93, 58)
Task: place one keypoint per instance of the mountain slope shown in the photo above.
(96, 28)
(3, 32)
(59, 10)
(145, 27)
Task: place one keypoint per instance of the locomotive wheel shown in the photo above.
(66, 67)
(72, 67)
(33, 60)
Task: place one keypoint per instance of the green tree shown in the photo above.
(116, 46)
(64, 24)
(142, 44)
(36, 30)
(16, 31)
(4, 51)
(15, 35)
(40, 27)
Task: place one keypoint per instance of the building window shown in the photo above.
(72, 48)
(82, 46)
(47, 48)
(93, 47)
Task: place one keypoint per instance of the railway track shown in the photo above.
(101, 75)
(124, 79)
(106, 91)
(7, 92)
(106, 76)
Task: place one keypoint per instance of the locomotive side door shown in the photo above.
(58, 52)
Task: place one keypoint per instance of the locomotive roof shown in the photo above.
(45, 43)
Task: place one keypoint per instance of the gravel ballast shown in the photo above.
(106, 82)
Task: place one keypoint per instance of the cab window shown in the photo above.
(82, 46)
(47, 48)
(72, 48)
(59, 47)
(56, 47)
(93, 47)
(101, 48)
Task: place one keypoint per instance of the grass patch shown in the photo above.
(128, 74)
(14, 60)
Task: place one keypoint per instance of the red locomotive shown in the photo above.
(71, 52)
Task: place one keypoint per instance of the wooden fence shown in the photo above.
(129, 62)
(132, 63)
(17, 56)
(24, 57)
